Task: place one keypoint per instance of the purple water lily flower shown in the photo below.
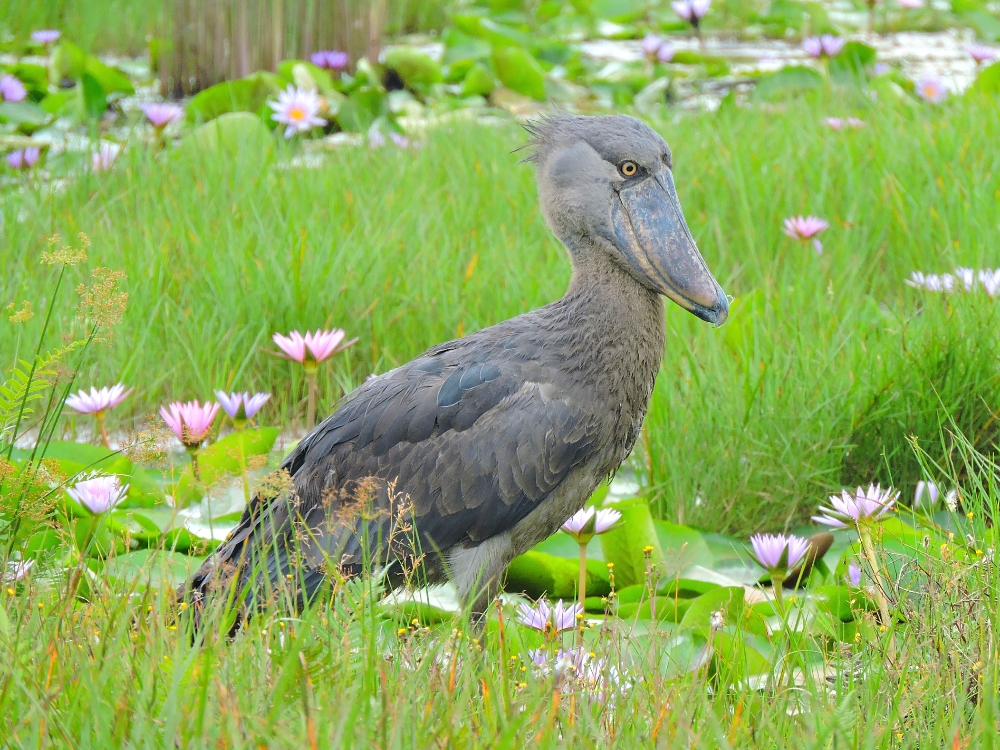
(854, 573)
(666, 52)
(587, 523)
(241, 406)
(548, 619)
(45, 36)
(100, 494)
(931, 90)
(827, 45)
(691, 11)
(23, 158)
(651, 44)
(191, 421)
(98, 401)
(11, 89)
(778, 553)
(806, 228)
(981, 53)
(329, 59)
(856, 508)
(162, 114)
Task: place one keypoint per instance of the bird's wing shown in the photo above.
(473, 439)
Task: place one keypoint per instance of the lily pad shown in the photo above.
(987, 82)
(790, 81)
(538, 574)
(519, 71)
(624, 545)
(414, 67)
(227, 457)
(248, 94)
(230, 134)
(155, 567)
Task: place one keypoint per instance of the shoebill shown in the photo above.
(478, 449)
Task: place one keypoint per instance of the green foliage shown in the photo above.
(787, 82)
(244, 95)
(415, 68)
(233, 135)
(940, 380)
(626, 545)
(226, 457)
(519, 71)
(854, 61)
(987, 82)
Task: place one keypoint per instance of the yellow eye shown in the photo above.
(628, 168)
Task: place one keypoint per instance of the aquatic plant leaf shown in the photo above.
(519, 71)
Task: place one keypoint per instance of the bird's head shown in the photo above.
(606, 185)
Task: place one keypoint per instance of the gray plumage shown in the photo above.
(479, 448)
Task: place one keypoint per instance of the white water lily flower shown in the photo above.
(298, 110)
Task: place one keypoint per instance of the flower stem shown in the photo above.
(883, 605)
(100, 426)
(779, 604)
(194, 465)
(243, 470)
(583, 588)
(311, 403)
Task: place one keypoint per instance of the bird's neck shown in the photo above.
(621, 319)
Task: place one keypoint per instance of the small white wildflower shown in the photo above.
(951, 500)
(717, 620)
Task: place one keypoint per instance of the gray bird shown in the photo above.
(455, 463)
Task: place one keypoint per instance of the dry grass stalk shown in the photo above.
(208, 41)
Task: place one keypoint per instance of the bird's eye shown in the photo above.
(628, 168)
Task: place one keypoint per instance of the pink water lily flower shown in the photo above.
(805, 228)
(45, 36)
(106, 154)
(11, 89)
(857, 507)
(691, 11)
(911, 4)
(931, 90)
(16, 570)
(827, 45)
(241, 406)
(314, 347)
(548, 619)
(778, 553)
(24, 158)
(190, 421)
(586, 523)
(100, 494)
(329, 59)
(98, 401)
(298, 110)
(162, 114)
(981, 53)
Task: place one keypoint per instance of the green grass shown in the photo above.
(115, 668)
(406, 249)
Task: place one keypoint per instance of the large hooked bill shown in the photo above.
(655, 238)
